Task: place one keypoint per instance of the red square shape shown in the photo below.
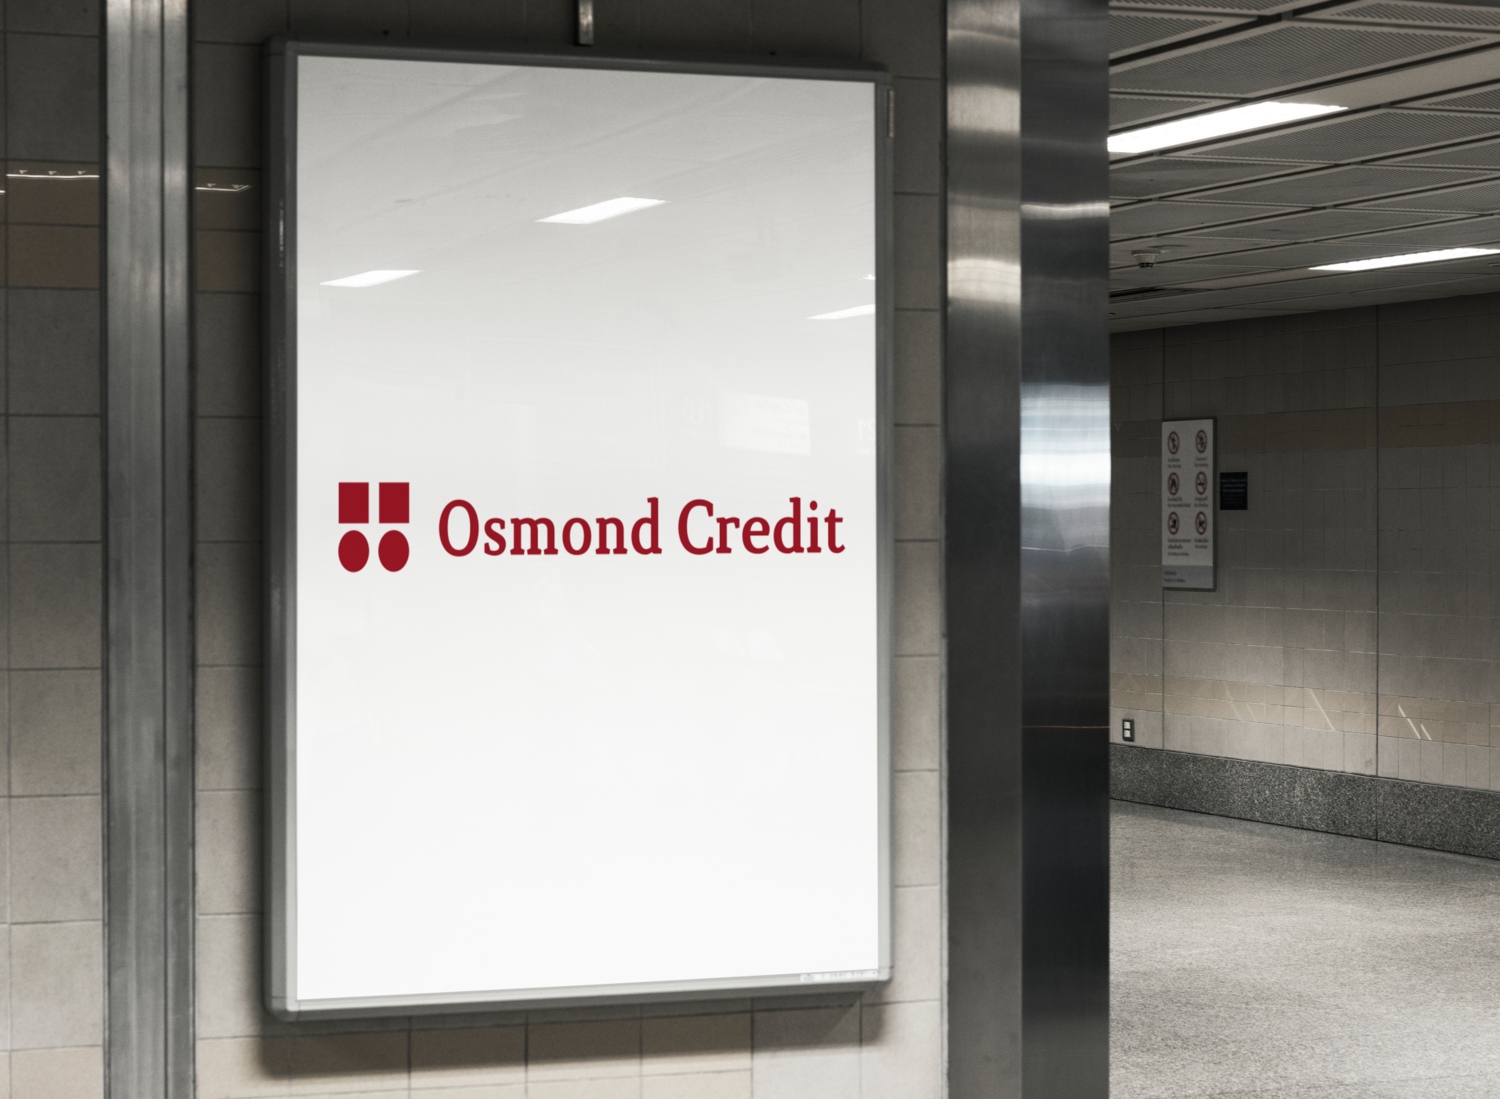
(354, 501)
(395, 501)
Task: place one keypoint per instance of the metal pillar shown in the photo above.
(148, 554)
(1027, 376)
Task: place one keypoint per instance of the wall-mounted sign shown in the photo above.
(580, 556)
(1187, 504)
(1234, 491)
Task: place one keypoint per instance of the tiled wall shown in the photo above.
(884, 1044)
(51, 944)
(1354, 594)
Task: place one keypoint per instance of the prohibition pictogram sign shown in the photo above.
(1173, 484)
(1200, 441)
(1200, 523)
(1173, 442)
(1201, 483)
(1172, 522)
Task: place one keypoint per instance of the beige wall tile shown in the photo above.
(696, 1044)
(471, 1056)
(916, 827)
(57, 985)
(477, 1091)
(918, 357)
(56, 256)
(328, 1064)
(229, 603)
(703, 1085)
(229, 726)
(56, 595)
(228, 850)
(916, 947)
(55, 732)
(229, 977)
(55, 478)
(76, 1073)
(56, 859)
(919, 482)
(570, 1051)
(916, 713)
(918, 600)
(902, 1053)
(242, 1068)
(806, 1053)
(604, 1087)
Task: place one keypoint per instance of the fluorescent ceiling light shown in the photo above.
(1234, 120)
(370, 278)
(841, 314)
(1410, 257)
(599, 211)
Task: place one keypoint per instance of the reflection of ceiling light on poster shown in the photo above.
(579, 537)
(369, 278)
(602, 211)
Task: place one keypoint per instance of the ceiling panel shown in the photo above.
(1284, 55)
(1340, 185)
(1483, 154)
(1241, 7)
(1417, 14)
(1297, 256)
(1166, 175)
(1148, 218)
(1172, 249)
(1480, 99)
(1135, 30)
(1175, 274)
(1449, 234)
(1319, 225)
(1478, 198)
(1379, 133)
(1132, 110)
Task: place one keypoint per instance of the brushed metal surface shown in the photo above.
(1027, 549)
(149, 648)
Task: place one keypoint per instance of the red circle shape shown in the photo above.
(354, 551)
(394, 551)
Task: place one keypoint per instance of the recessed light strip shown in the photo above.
(1411, 257)
(1202, 127)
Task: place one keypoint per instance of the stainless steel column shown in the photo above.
(1027, 377)
(148, 554)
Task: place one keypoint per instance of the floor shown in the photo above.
(1257, 962)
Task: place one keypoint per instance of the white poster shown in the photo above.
(1187, 504)
(588, 651)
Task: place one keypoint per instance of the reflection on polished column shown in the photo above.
(1028, 533)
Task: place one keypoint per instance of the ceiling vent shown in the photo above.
(1284, 55)
(1130, 31)
(1340, 185)
(1130, 110)
(1413, 14)
(1380, 133)
(1168, 175)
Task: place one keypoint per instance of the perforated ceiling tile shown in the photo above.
(1478, 198)
(1341, 185)
(1320, 225)
(1449, 234)
(1484, 99)
(1175, 249)
(1292, 256)
(1380, 133)
(1132, 110)
(1162, 217)
(1130, 31)
(1282, 56)
(1242, 7)
(1416, 14)
(1174, 274)
(1483, 154)
(1167, 175)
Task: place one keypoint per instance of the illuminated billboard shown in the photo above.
(578, 543)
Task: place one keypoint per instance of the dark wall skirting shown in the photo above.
(1419, 814)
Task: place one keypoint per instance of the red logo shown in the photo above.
(354, 507)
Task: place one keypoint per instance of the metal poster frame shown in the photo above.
(280, 355)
